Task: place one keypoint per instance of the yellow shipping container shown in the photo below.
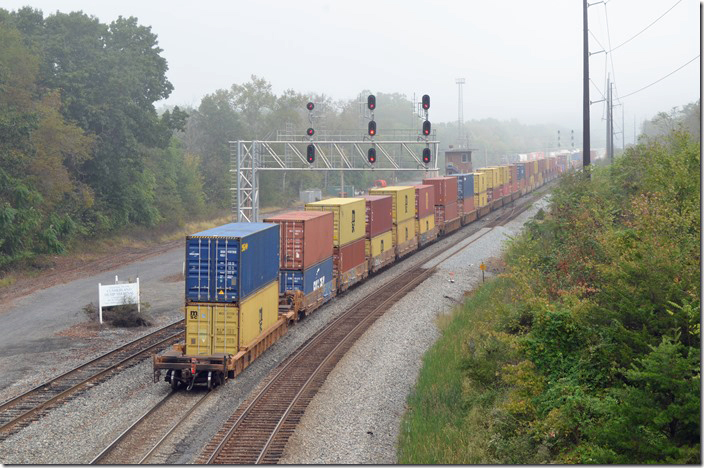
(480, 200)
(349, 222)
(479, 182)
(377, 245)
(492, 176)
(404, 231)
(213, 327)
(424, 225)
(535, 166)
(506, 170)
(404, 201)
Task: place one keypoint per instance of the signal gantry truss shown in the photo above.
(249, 158)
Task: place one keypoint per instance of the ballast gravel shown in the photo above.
(355, 417)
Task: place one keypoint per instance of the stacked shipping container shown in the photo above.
(446, 210)
(379, 245)
(306, 264)
(349, 227)
(403, 216)
(231, 286)
(426, 231)
(465, 194)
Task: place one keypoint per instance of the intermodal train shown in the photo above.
(246, 283)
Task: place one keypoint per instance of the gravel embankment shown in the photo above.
(356, 415)
(374, 378)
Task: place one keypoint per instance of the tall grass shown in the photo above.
(445, 409)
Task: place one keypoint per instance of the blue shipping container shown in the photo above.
(521, 172)
(230, 262)
(465, 184)
(316, 277)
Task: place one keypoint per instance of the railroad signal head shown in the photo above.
(426, 128)
(310, 106)
(371, 102)
(426, 155)
(372, 128)
(426, 102)
(310, 154)
(310, 132)
(371, 155)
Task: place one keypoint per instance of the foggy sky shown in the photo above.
(520, 58)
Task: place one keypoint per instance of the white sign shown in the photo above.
(117, 294)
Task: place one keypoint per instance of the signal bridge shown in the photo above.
(403, 152)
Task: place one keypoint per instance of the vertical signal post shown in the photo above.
(310, 150)
(371, 128)
(425, 104)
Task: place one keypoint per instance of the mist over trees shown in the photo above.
(85, 154)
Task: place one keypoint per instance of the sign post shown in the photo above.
(482, 267)
(117, 294)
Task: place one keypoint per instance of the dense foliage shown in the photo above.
(82, 149)
(591, 351)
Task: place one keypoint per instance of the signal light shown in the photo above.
(310, 154)
(372, 128)
(310, 132)
(310, 106)
(426, 102)
(426, 155)
(426, 128)
(371, 155)
(371, 102)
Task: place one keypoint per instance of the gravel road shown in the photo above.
(374, 378)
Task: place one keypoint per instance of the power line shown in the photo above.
(638, 34)
(608, 34)
(654, 82)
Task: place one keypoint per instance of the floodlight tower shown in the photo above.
(460, 109)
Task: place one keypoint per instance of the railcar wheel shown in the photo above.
(210, 380)
(174, 380)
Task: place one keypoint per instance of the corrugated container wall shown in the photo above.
(316, 277)
(445, 189)
(306, 238)
(425, 201)
(230, 262)
(225, 328)
(348, 220)
(377, 245)
(403, 201)
(404, 231)
(349, 256)
(378, 214)
(425, 224)
(465, 186)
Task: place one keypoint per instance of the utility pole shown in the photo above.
(609, 123)
(586, 144)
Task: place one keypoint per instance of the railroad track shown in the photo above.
(31, 405)
(259, 430)
(142, 440)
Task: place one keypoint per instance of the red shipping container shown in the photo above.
(349, 256)
(378, 214)
(444, 213)
(445, 189)
(467, 205)
(305, 238)
(425, 200)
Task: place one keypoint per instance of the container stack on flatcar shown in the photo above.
(379, 243)
(232, 301)
(403, 215)
(306, 265)
(246, 282)
(426, 230)
(349, 246)
(446, 212)
(465, 198)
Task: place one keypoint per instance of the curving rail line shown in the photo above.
(21, 410)
(259, 430)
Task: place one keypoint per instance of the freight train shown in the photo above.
(247, 282)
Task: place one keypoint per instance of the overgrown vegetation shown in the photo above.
(587, 350)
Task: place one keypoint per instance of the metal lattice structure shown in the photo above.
(249, 158)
